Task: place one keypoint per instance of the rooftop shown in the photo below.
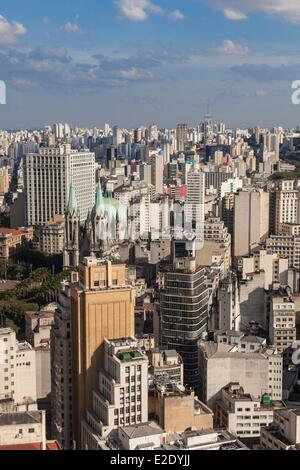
(47, 314)
(51, 445)
(142, 430)
(27, 417)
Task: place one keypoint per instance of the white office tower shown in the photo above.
(122, 397)
(194, 206)
(166, 152)
(221, 128)
(117, 136)
(17, 372)
(67, 130)
(107, 129)
(152, 132)
(59, 130)
(47, 179)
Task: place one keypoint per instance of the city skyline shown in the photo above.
(136, 61)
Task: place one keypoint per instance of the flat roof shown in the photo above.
(27, 417)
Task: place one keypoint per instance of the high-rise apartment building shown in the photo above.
(184, 314)
(102, 306)
(195, 182)
(47, 179)
(157, 173)
(282, 322)
(5, 178)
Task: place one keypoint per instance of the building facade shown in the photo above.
(102, 306)
(47, 179)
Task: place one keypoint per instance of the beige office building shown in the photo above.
(176, 409)
(251, 220)
(102, 306)
(5, 178)
(157, 173)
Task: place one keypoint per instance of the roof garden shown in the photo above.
(130, 356)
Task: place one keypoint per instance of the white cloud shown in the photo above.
(177, 15)
(39, 65)
(136, 75)
(286, 9)
(137, 10)
(232, 48)
(10, 31)
(261, 93)
(71, 28)
(234, 15)
(22, 83)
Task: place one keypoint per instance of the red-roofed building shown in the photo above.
(11, 239)
(50, 445)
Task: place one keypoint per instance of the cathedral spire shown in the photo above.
(99, 200)
(72, 203)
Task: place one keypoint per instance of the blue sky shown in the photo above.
(131, 62)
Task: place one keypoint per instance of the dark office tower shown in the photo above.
(184, 314)
(227, 210)
(182, 136)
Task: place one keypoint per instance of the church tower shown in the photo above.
(72, 232)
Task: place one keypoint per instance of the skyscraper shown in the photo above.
(157, 173)
(102, 306)
(251, 220)
(184, 314)
(194, 207)
(182, 136)
(47, 179)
